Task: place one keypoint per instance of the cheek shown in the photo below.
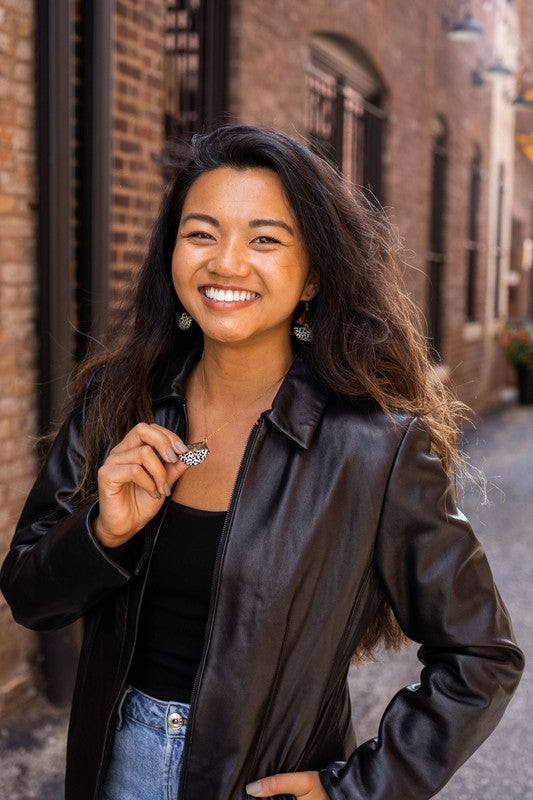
(185, 260)
(179, 267)
(174, 273)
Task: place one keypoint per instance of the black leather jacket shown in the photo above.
(329, 500)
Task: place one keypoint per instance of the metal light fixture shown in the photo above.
(522, 102)
(497, 70)
(468, 30)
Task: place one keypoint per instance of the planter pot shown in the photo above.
(525, 383)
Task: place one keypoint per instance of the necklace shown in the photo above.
(198, 451)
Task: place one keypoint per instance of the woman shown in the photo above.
(235, 513)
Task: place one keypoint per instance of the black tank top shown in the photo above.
(176, 603)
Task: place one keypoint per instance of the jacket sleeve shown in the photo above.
(443, 594)
(55, 569)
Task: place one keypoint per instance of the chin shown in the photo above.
(225, 336)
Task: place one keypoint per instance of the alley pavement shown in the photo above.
(32, 744)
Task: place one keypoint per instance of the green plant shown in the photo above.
(517, 341)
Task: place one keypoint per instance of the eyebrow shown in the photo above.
(254, 223)
(276, 223)
(202, 218)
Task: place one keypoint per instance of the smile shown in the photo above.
(228, 295)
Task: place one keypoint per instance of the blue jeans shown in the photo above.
(148, 748)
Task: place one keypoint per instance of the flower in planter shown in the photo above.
(517, 341)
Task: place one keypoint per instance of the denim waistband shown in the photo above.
(167, 716)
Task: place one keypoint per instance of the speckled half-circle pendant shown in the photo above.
(197, 452)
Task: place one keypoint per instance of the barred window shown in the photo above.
(196, 47)
(472, 243)
(498, 255)
(344, 120)
(437, 250)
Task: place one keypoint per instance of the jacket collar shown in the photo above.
(299, 404)
(296, 409)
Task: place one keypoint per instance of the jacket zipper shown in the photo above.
(137, 617)
(241, 474)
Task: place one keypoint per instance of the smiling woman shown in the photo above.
(236, 513)
(238, 235)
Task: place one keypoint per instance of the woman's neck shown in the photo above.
(232, 373)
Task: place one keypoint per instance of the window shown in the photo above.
(196, 42)
(436, 259)
(499, 242)
(344, 120)
(472, 244)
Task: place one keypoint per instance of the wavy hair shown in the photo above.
(367, 335)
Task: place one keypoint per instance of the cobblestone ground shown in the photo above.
(32, 745)
(32, 753)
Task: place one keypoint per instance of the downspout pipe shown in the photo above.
(58, 651)
(73, 278)
(95, 147)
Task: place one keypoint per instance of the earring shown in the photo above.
(184, 321)
(302, 329)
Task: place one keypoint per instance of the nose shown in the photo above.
(229, 259)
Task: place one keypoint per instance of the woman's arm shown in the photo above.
(444, 597)
(56, 569)
(65, 558)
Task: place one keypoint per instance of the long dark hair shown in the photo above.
(366, 334)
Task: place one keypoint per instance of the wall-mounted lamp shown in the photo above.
(467, 30)
(522, 103)
(497, 70)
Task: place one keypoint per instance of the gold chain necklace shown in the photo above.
(198, 451)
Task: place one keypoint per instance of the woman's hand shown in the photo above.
(300, 784)
(133, 481)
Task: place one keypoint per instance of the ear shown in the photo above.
(312, 285)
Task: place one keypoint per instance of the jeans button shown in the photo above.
(175, 720)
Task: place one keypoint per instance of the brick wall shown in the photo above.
(137, 113)
(466, 107)
(425, 75)
(138, 132)
(521, 295)
(398, 40)
(17, 312)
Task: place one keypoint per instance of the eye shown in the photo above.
(266, 240)
(197, 235)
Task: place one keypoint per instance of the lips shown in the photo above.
(228, 295)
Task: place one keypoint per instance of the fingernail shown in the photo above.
(167, 490)
(157, 495)
(180, 447)
(252, 788)
(171, 455)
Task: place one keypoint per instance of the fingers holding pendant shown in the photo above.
(197, 453)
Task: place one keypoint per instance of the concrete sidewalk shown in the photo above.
(32, 745)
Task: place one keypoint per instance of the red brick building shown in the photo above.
(96, 99)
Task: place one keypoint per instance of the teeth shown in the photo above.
(227, 295)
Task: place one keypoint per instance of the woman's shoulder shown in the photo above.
(360, 425)
(364, 411)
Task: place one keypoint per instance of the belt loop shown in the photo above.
(127, 690)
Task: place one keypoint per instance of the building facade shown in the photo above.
(97, 101)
